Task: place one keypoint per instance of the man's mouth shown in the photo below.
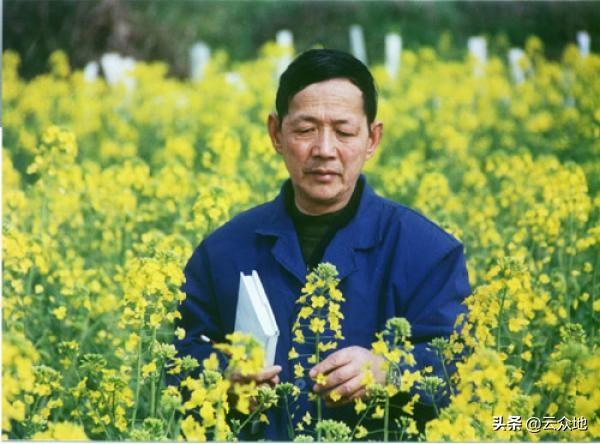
(323, 171)
(323, 175)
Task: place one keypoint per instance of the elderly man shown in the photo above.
(391, 260)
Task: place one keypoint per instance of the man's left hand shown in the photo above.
(345, 371)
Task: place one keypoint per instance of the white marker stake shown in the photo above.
(357, 43)
(393, 54)
(515, 55)
(111, 67)
(118, 69)
(127, 65)
(583, 41)
(478, 49)
(199, 58)
(285, 40)
(90, 72)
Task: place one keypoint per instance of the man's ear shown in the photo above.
(274, 131)
(374, 137)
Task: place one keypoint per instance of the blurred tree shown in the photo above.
(165, 30)
(85, 29)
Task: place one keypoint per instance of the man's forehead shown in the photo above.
(337, 96)
(337, 86)
(317, 117)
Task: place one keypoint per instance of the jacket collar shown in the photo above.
(362, 232)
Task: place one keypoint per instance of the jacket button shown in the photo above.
(300, 383)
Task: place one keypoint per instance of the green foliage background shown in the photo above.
(165, 30)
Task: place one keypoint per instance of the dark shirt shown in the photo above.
(315, 232)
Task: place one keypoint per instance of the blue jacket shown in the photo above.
(391, 260)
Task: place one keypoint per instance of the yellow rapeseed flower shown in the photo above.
(321, 379)
(298, 371)
(361, 432)
(378, 413)
(293, 354)
(335, 396)
(317, 325)
(148, 369)
(60, 313)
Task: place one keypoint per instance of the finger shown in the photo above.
(360, 393)
(349, 391)
(273, 381)
(253, 404)
(334, 360)
(237, 377)
(338, 377)
(345, 401)
(339, 403)
(267, 373)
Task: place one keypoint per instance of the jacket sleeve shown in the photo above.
(199, 311)
(433, 307)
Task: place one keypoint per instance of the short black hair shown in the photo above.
(317, 65)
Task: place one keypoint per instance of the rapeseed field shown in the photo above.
(107, 190)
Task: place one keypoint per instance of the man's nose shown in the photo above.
(325, 144)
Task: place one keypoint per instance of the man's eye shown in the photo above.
(344, 133)
(304, 130)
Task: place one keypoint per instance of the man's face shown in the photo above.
(325, 140)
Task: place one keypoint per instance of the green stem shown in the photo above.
(361, 419)
(435, 407)
(153, 397)
(446, 375)
(386, 419)
(499, 326)
(30, 277)
(596, 265)
(137, 380)
(28, 291)
(569, 264)
(153, 383)
(88, 329)
(248, 419)
(177, 429)
(112, 406)
(124, 241)
(160, 378)
(291, 434)
(170, 424)
(319, 407)
(33, 410)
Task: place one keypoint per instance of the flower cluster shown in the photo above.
(317, 327)
(320, 308)
(215, 391)
(394, 349)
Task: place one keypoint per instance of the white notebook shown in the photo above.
(254, 315)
